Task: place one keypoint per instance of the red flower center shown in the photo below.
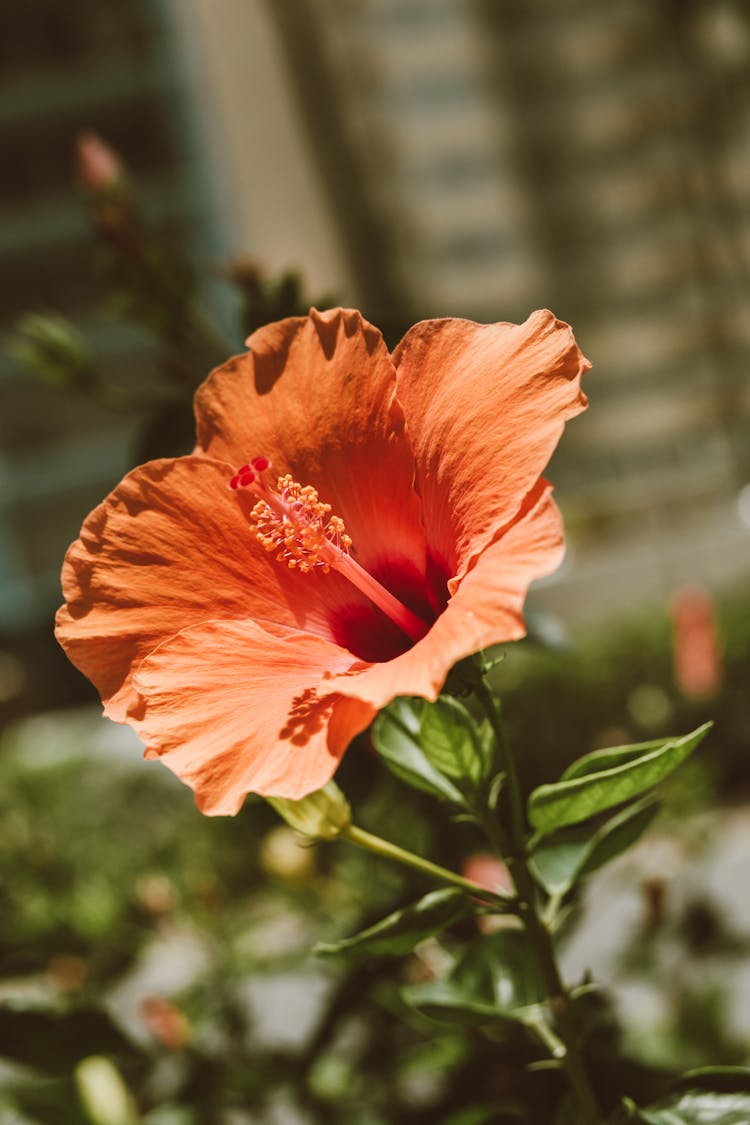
(292, 520)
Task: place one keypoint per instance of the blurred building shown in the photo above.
(420, 158)
(110, 66)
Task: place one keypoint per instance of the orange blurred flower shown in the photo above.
(697, 656)
(249, 669)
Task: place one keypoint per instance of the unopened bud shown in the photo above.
(323, 815)
(99, 166)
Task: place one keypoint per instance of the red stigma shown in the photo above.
(248, 475)
(243, 478)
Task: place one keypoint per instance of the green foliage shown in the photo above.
(398, 934)
(695, 1107)
(396, 734)
(438, 748)
(590, 688)
(452, 742)
(496, 981)
(563, 858)
(607, 778)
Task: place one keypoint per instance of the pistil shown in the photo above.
(292, 521)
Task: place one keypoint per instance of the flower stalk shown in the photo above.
(378, 846)
(511, 846)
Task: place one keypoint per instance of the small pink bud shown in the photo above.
(99, 166)
(487, 871)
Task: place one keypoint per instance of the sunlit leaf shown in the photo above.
(451, 740)
(700, 1107)
(608, 778)
(397, 934)
(396, 735)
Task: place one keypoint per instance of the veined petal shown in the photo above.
(485, 610)
(168, 548)
(485, 407)
(317, 396)
(226, 725)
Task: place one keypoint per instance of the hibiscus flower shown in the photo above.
(350, 524)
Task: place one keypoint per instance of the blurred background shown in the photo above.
(415, 158)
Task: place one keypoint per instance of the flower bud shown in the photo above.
(324, 815)
(99, 166)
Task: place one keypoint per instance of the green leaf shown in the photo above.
(496, 981)
(719, 1079)
(397, 934)
(611, 757)
(396, 735)
(607, 778)
(451, 740)
(700, 1107)
(567, 856)
(557, 862)
(711, 1095)
(619, 833)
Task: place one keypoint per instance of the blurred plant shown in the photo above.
(148, 282)
(124, 873)
(53, 349)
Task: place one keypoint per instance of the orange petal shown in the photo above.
(485, 407)
(485, 610)
(317, 395)
(171, 547)
(232, 710)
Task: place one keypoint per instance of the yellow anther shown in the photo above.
(294, 522)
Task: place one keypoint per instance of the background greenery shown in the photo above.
(179, 946)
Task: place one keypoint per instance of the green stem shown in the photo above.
(513, 850)
(385, 848)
